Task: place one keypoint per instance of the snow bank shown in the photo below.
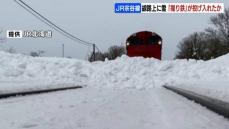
(20, 72)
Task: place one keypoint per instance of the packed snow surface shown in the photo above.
(100, 108)
(125, 93)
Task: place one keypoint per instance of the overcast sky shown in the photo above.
(96, 22)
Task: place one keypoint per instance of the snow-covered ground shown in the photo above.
(120, 94)
(99, 108)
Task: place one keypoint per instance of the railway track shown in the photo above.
(13, 94)
(93, 107)
(214, 105)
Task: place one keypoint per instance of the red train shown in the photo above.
(144, 43)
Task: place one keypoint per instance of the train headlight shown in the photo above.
(159, 42)
(127, 43)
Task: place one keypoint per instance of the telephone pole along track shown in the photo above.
(7, 95)
(215, 105)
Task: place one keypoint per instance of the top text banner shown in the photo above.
(169, 7)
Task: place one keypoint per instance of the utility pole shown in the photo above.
(62, 50)
(94, 52)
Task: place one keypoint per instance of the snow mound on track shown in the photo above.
(124, 72)
(146, 73)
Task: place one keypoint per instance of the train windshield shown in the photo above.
(153, 40)
(135, 40)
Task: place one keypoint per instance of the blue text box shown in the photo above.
(127, 8)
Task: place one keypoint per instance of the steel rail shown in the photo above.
(213, 104)
(23, 93)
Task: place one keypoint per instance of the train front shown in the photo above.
(145, 44)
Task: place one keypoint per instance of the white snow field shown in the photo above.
(125, 93)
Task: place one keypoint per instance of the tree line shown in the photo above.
(208, 44)
(112, 53)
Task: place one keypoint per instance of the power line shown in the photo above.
(51, 24)
(36, 16)
(55, 27)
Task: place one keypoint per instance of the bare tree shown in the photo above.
(116, 51)
(220, 29)
(192, 47)
(38, 53)
(210, 44)
(98, 56)
(34, 54)
(113, 53)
